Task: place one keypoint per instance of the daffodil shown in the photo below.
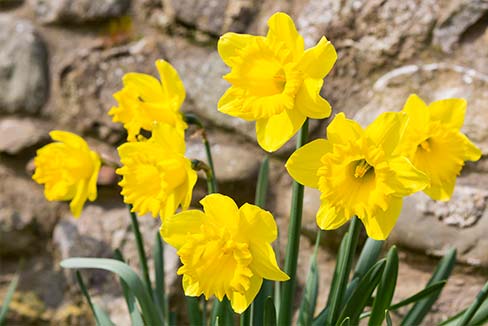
(357, 173)
(434, 143)
(156, 176)
(68, 169)
(275, 81)
(144, 99)
(225, 250)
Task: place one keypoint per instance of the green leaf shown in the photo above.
(422, 307)
(101, 317)
(160, 289)
(346, 322)
(386, 288)
(341, 272)
(427, 292)
(269, 314)
(368, 257)
(389, 322)
(309, 299)
(356, 303)
(135, 315)
(8, 298)
(194, 311)
(476, 314)
(135, 284)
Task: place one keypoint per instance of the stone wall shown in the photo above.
(61, 61)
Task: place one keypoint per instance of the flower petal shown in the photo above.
(239, 301)
(472, 152)
(417, 111)
(68, 138)
(257, 223)
(304, 163)
(405, 179)
(282, 29)
(148, 87)
(275, 131)
(387, 129)
(221, 210)
(380, 226)
(230, 44)
(328, 218)
(342, 130)
(319, 60)
(231, 103)
(76, 204)
(309, 101)
(176, 228)
(264, 262)
(169, 137)
(450, 112)
(171, 83)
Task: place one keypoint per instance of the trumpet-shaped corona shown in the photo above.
(434, 143)
(225, 250)
(275, 82)
(68, 169)
(156, 176)
(358, 174)
(144, 99)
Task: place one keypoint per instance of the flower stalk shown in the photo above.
(291, 258)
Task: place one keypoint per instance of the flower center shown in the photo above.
(362, 169)
(425, 145)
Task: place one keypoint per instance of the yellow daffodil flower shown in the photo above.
(434, 143)
(274, 80)
(156, 176)
(358, 174)
(68, 169)
(144, 99)
(225, 250)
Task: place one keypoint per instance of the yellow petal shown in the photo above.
(176, 228)
(230, 44)
(304, 163)
(418, 112)
(282, 29)
(309, 101)
(387, 129)
(450, 112)
(221, 210)
(231, 103)
(92, 183)
(239, 301)
(329, 219)
(148, 87)
(68, 138)
(379, 227)
(472, 152)
(171, 83)
(191, 288)
(342, 130)
(274, 132)
(319, 60)
(264, 262)
(442, 191)
(405, 178)
(76, 204)
(169, 137)
(256, 223)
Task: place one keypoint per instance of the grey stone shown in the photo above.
(26, 217)
(24, 80)
(19, 134)
(80, 11)
(214, 17)
(433, 227)
(456, 18)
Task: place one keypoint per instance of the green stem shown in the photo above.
(470, 312)
(257, 307)
(211, 181)
(292, 247)
(343, 269)
(140, 249)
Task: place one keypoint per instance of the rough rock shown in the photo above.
(24, 80)
(80, 11)
(104, 227)
(19, 134)
(456, 18)
(25, 216)
(433, 82)
(214, 17)
(433, 227)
